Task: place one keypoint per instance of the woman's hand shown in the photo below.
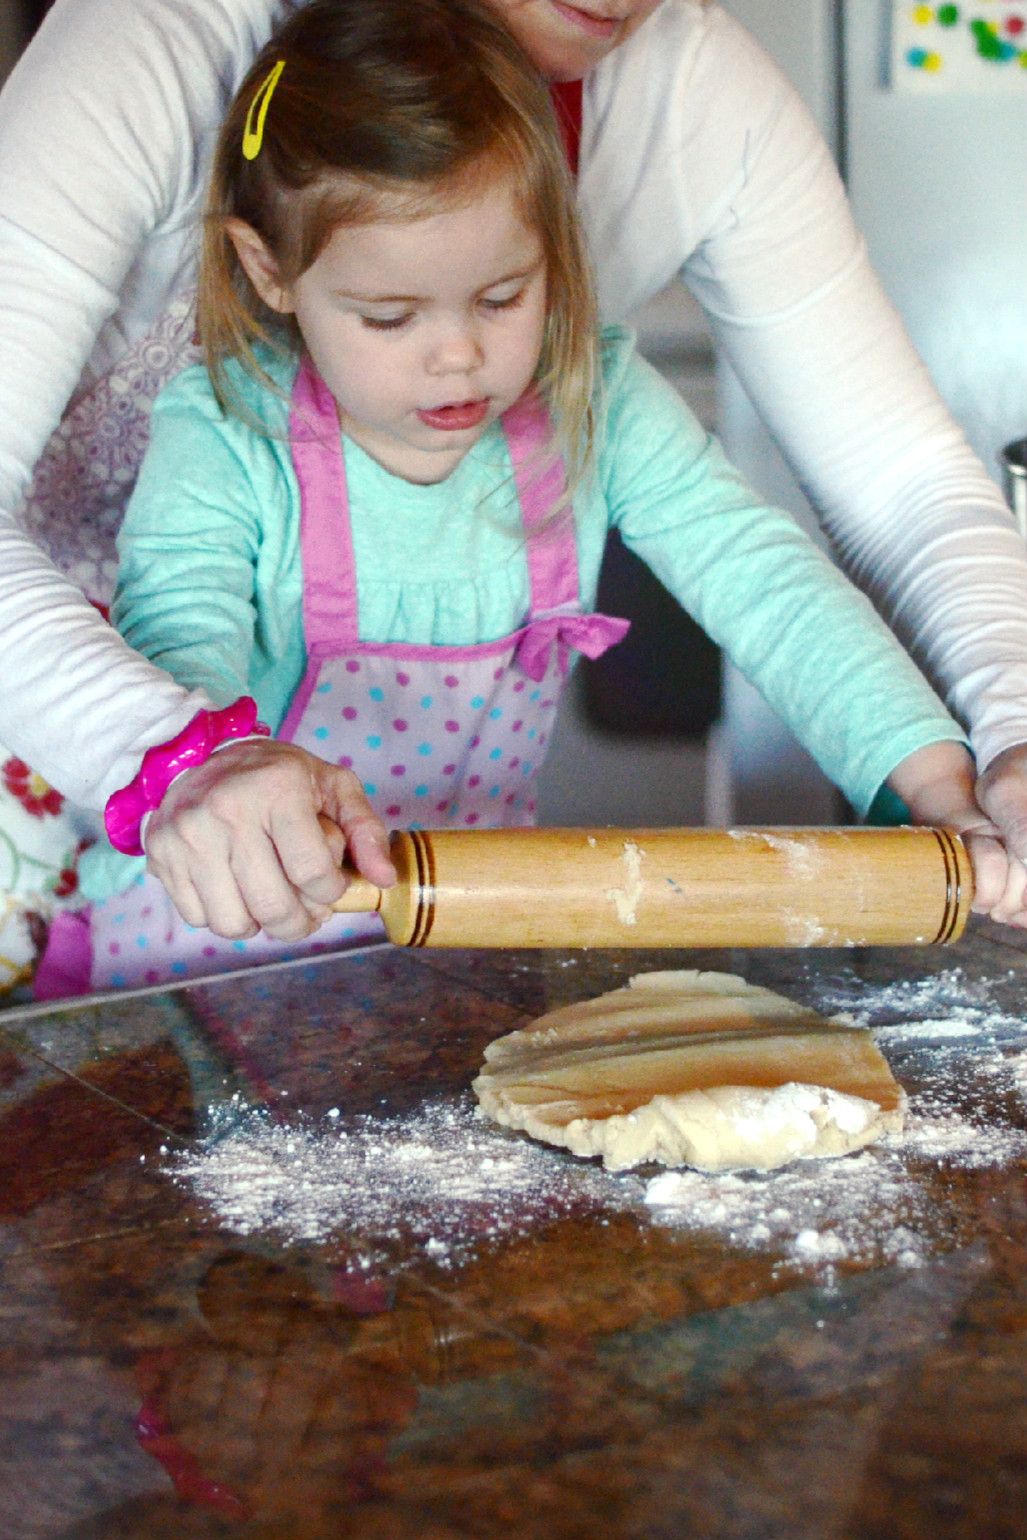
(254, 840)
(1002, 793)
(937, 785)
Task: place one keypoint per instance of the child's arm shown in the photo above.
(800, 632)
(937, 785)
(209, 588)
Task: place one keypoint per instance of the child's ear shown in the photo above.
(259, 266)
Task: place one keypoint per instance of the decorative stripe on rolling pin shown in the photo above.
(425, 917)
(952, 887)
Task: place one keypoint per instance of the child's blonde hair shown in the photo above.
(393, 107)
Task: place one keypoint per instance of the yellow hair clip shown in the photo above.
(253, 133)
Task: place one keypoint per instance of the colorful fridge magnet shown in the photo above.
(951, 47)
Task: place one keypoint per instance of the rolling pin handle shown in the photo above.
(360, 897)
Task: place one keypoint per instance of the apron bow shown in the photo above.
(588, 634)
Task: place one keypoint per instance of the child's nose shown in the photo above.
(456, 349)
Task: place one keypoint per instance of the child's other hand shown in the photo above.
(937, 785)
(254, 838)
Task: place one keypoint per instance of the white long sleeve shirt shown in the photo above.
(697, 157)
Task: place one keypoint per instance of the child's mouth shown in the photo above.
(595, 26)
(461, 415)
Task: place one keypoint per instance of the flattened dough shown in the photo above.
(692, 1069)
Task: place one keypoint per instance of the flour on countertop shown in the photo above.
(442, 1176)
(453, 1183)
(869, 1207)
(873, 1206)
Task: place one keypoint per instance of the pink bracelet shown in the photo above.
(127, 808)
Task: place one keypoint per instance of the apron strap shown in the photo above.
(330, 618)
(540, 479)
(326, 541)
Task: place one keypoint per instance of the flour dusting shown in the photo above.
(878, 1207)
(870, 1208)
(452, 1183)
(626, 899)
(442, 1176)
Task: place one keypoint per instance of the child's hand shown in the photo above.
(254, 838)
(937, 785)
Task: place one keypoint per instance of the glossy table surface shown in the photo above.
(502, 1341)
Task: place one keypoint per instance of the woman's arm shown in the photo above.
(102, 138)
(699, 156)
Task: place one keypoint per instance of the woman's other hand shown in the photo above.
(254, 838)
(1002, 793)
(937, 785)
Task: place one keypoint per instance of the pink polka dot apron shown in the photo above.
(440, 737)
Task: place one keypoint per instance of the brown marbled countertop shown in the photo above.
(590, 1372)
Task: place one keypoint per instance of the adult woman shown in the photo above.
(695, 156)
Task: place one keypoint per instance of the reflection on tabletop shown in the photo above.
(265, 1273)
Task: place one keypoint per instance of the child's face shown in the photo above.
(567, 41)
(426, 331)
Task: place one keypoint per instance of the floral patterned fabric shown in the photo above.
(75, 502)
(40, 843)
(72, 509)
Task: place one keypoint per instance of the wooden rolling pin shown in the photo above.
(672, 887)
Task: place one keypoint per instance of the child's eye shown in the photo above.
(384, 323)
(503, 301)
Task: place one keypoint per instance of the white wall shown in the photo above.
(939, 186)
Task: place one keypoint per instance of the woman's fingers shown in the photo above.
(205, 893)
(254, 839)
(1002, 793)
(990, 868)
(181, 890)
(366, 839)
(1000, 881)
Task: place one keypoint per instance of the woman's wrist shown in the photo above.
(127, 809)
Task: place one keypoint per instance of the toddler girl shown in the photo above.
(380, 510)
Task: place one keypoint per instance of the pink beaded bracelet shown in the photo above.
(126, 809)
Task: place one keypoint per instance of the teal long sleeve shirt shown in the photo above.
(210, 581)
